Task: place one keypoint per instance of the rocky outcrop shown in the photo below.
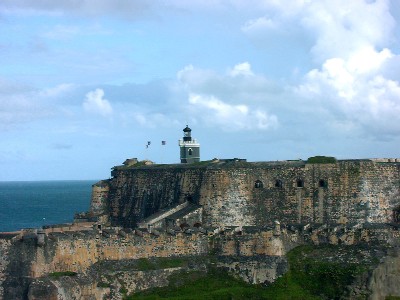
(384, 280)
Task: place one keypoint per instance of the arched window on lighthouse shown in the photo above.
(190, 151)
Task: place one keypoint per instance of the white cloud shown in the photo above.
(20, 103)
(95, 103)
(348, 26)
(356, 88)
(367, 59)
(67, 32)
(259, 24)
(243, 69)
(238, 100)
(239, 84)
(62, 32)
(17, 109)
(351, 47)
(154, 120)
(125, 8)
(213, 111)
(352, 78)
(57, 91)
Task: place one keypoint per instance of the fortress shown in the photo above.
(247, 214)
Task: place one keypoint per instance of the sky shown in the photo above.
(84, 84)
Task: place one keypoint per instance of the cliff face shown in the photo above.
(17, 256)
(256, 194)
(385, 278)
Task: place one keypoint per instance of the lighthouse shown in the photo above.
(190, 148)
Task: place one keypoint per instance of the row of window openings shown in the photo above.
(279, 183)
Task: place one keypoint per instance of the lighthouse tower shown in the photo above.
(190, 149)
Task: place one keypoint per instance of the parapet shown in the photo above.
(386, 160)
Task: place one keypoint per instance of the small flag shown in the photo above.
(163, 142)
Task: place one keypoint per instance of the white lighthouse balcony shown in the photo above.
(192, 143)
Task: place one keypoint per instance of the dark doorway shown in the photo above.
(300, 183)
(396, 215)
(278, 183)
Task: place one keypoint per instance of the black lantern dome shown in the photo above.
(187, 134)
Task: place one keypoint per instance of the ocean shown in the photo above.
(32, 204)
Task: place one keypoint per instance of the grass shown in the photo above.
(309, 278)
(220, 285)
(61, 274)
(197, 285)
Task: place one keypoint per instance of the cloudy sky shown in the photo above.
(84, 84)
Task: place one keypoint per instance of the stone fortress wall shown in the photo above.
(25, 259)
(237, 193)
(255, 254)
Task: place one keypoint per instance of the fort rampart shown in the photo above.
(234, 193)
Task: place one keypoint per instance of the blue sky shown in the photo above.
(85, 84)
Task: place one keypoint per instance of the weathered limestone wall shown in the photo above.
(23, 260)
(257, 194)
(5, 245)
(66, 288)
(192, 219)
(135, 281)
(256, 270)
(100, 191)
(138, 193)
(385, 279)
(255, 254)
(249, 244)
(21, 254)
(77, 252)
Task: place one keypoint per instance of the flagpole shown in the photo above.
(147, 149)
(163, 143)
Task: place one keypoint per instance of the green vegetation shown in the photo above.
(392, 298)
(310, 277)
(102, 284)
(321, 160)
(327, 279)
(60, 274)
(142, 264)
(198, 285)
(202, 163)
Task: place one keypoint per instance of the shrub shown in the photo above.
(321, 160)
(61, 274)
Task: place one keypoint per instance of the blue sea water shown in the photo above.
(32, 204)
